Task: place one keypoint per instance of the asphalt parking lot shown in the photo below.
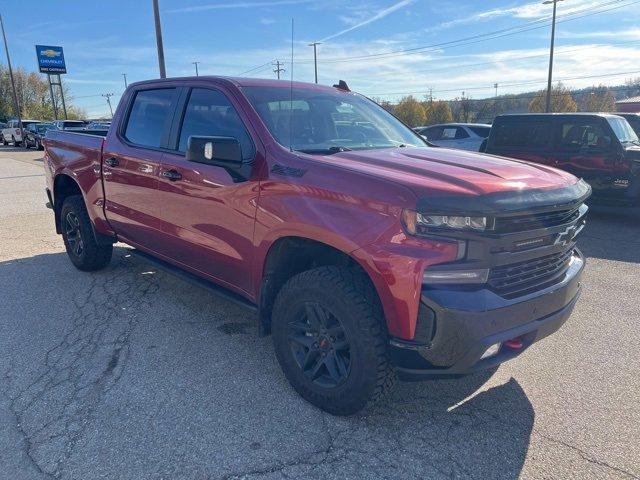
(131, 373)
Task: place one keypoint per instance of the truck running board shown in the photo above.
(195, 280)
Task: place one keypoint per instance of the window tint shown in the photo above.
(523, 134)
(209, 113)
(433, 133)
(148, 117)
(588, 133)
(481, 131)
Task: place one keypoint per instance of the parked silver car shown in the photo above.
(463, 136)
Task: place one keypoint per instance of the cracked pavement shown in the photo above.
(132, 373)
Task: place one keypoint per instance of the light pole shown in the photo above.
(196, 64)
(156, 17)
(315, 57)
(553, 37)
(124, 75)
(16, 106)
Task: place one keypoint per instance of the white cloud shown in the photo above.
(225, 6)
(377, 16)
(267, 21)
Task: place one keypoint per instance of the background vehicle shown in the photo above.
(69, 125)
(601, 148)
(34, 133)
(633, 119)
(98, 126)
(464, 136)
(12, 132)
(365, 253)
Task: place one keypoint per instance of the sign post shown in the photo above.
(51, 61)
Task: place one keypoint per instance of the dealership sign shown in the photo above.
(50, 59)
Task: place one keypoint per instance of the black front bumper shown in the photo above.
(468, 322)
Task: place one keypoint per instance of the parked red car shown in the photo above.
(365, 252)
(601, 148)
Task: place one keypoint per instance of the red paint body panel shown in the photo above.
(223, 230)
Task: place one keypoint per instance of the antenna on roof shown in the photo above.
(291, 94)
(342, 85)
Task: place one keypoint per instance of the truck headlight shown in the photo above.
(415, 222)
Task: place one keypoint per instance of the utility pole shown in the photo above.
(196, 64)
(124, 75)
(431, 96)
(495, 85)
(156, 17)
(13, 83)
(108, 97)
(315, 58)
(553, 37)
(278, 68)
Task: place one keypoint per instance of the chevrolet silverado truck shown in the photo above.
(366, 254)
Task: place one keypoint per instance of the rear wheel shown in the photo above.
(38, 146)
(330, 339)
(25, 143)
(83, 250)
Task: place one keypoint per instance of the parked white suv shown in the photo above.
(464, 136)
(12, 132)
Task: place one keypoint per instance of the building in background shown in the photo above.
(630, 105)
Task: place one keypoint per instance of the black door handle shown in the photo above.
(112, 162)
(172, 175)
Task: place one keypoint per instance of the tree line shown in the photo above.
(34, 97)
(415, 112)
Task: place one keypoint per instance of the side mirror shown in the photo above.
(220, 151)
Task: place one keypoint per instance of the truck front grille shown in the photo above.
(518, 279)
(522, 223)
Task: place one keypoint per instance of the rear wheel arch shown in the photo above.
(291, 255)
(64, 186)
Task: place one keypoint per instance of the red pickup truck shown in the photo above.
(367, 254)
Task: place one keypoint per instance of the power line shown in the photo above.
(517, 84)
(525, 27)
(255, 68)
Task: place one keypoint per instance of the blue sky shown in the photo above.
(364, 42)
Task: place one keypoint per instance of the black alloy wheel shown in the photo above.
(74, 234)
(320, 346)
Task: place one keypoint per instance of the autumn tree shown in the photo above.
(561, 101)
(386, 104)
(600, 99)
(438, 112)
(411, 111)
(34, 97)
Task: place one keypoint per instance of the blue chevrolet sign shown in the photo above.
(50, 59)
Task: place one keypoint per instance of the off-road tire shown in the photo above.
(91, 256)
(349, 296)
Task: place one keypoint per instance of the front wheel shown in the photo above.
(79, 241)
(330, 339)
(25, 143)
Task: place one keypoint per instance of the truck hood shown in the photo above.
(445, 172)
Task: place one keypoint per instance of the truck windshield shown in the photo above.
(623, 130)
(326, 122)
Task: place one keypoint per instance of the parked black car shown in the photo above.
(602, 148)
(34, 133)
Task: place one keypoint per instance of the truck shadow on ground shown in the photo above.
(612, 233)
(148, 342)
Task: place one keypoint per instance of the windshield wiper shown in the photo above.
(325, 151)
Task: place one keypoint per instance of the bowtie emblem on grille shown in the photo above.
(566, 236)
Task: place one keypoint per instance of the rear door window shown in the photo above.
(149, 117)
(523, 134)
